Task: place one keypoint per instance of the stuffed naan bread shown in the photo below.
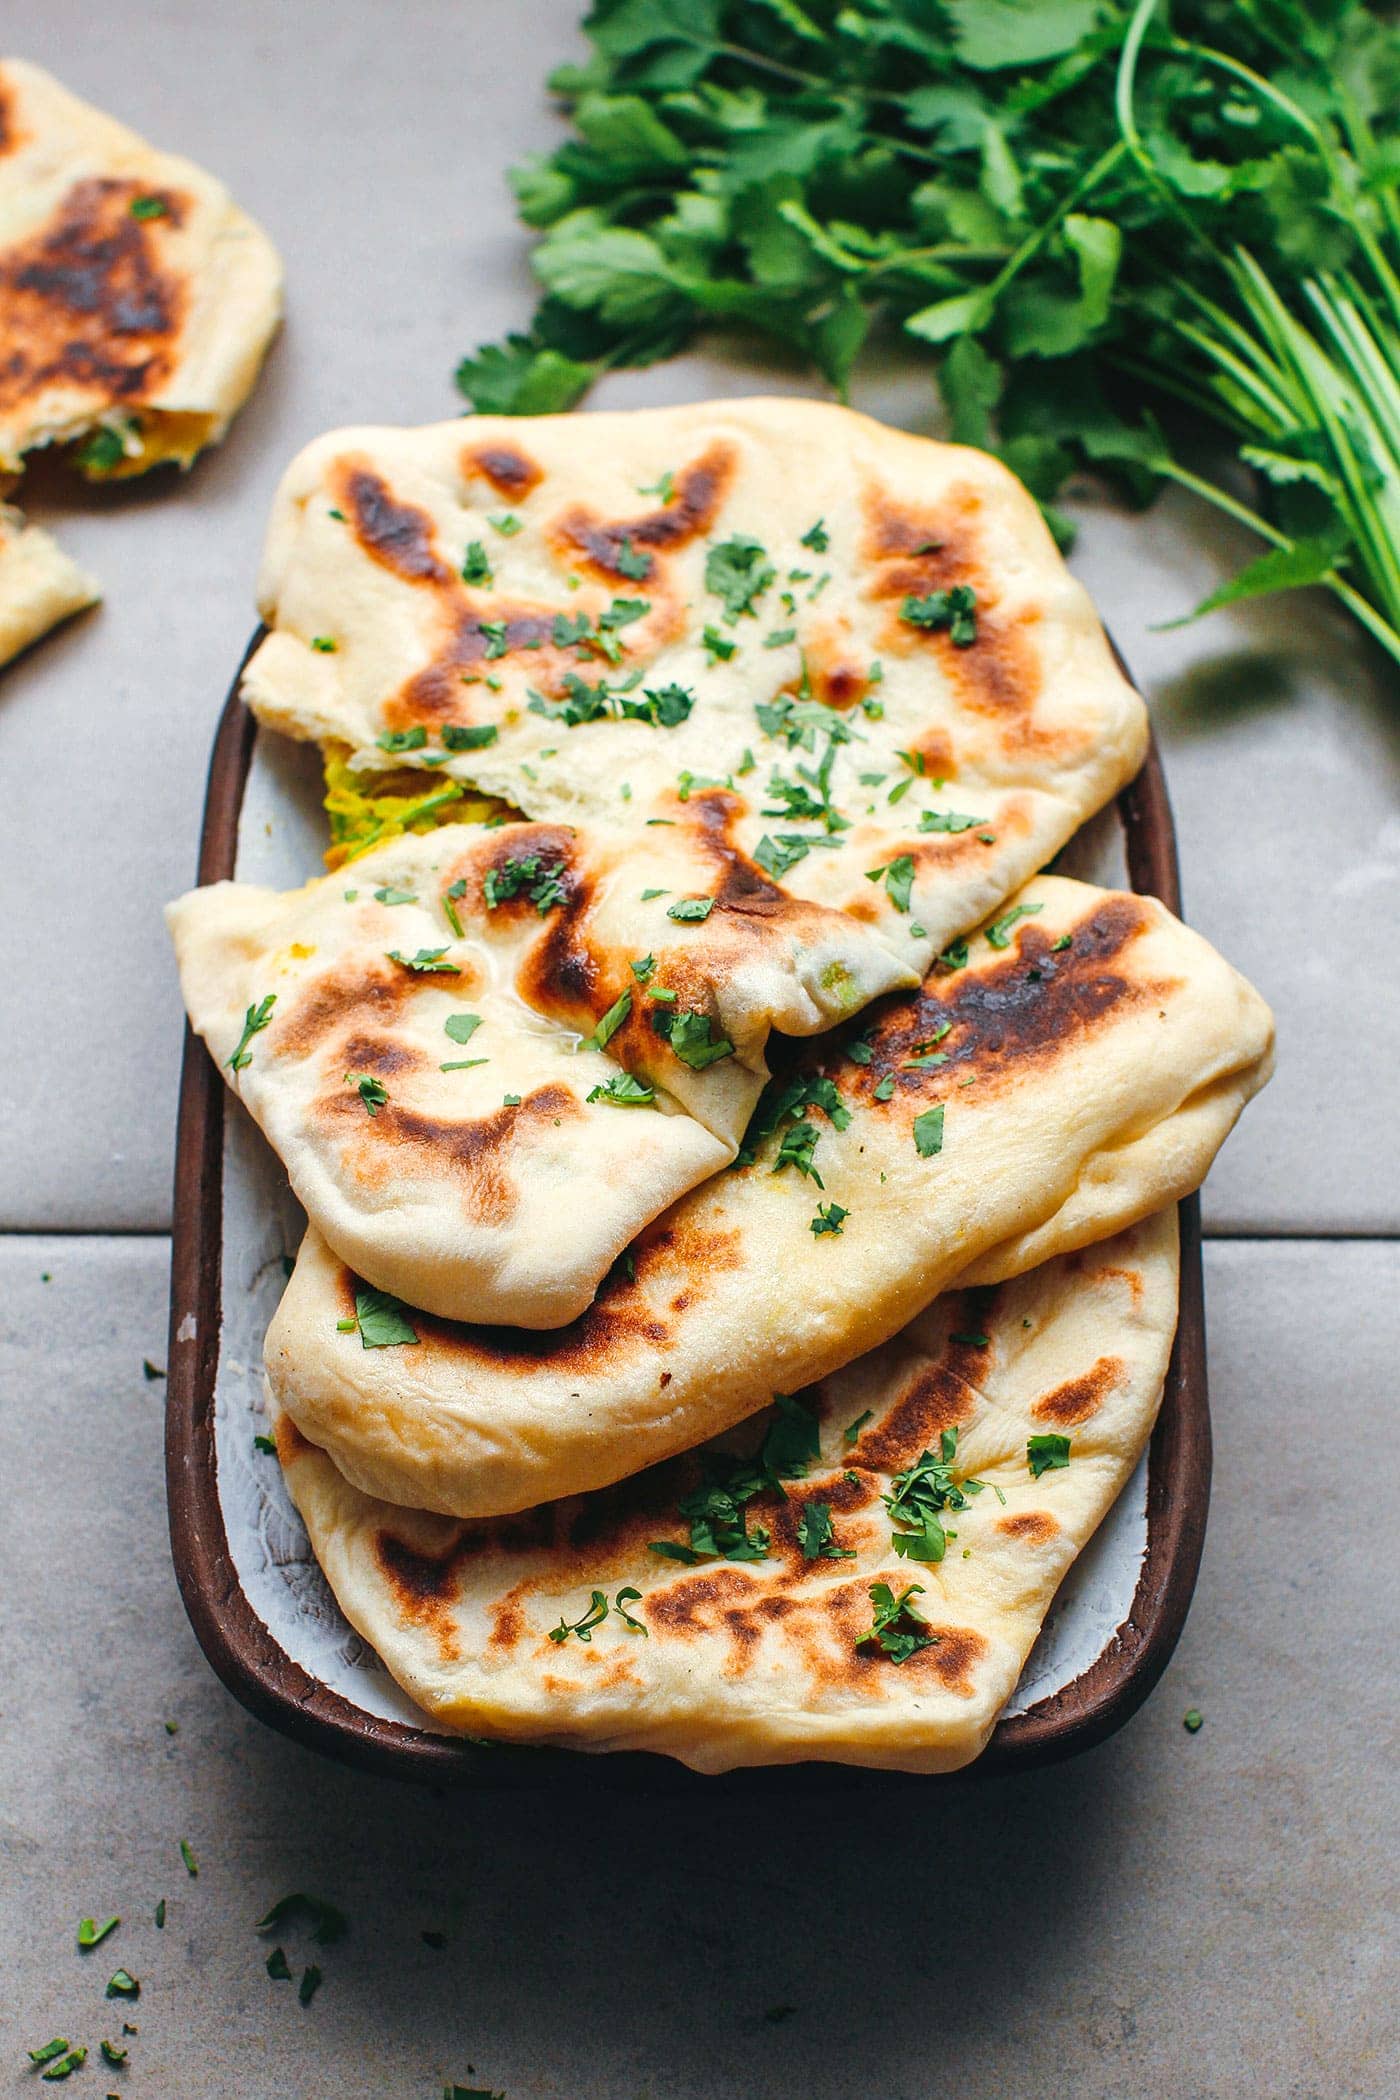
(864, 646)
(39, 585)
(1001, 1424)
(1076, 1073)
(394, 1031)
(136, 299)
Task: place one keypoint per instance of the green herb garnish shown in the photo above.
(476, 565)
(688, 908)
(383, 1324)
(541, 880)
(607, 1028)
(1046, 1454)
(830, 1218)
(254, 1021)
(426, 961)
(91, 1934)
(928, 1132)
(898, 1630)
(999, 932)
(623, 1091)
(583, 1627)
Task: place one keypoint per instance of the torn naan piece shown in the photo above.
(959, 1468)
(862, 644)
(1077, 1072)
(390, 1029)
(39, 585)
(136, 299)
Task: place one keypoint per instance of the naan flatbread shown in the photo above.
(436, 1126)
(136, 299)
(1010, 1110)
(864, 644)
(39, 585)
(763, 1661)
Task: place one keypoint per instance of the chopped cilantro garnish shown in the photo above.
(898, 1629)
(65, 2066)
(621, 1601)
(686, 908)
(953, 610)
(123, 1985)
(91, 1934)
(187, 1855)
(1192, 1720)
(497, 634)
(323, 644)
(511, 1101)
(664, 489)
(920, 1494)
(607, 1028)
(426, 961)
(814, 1534)
(817, 537)
(643, 968)
(632, 562)
(884, 1088)
(372, 1092)
(798, 1144)
(583, 1627)
(780, 637)
(112, 2053)
(1066, 940)
(463, 1064)
(468, 736)
(507, 524)
(851, 1433)
(947, 820)
(830, 1218)
(623, 1091)
(390, 895)
(928, 1132)
(461, 1027)
(540, 880)
(265, 1445)
(999, 932)
(278, 1967)
(1046, 1454)
(476, 565)
(403, 739)
(692, 1038)
(381, 1320)
(311, 1981)
(737, 571)
(718, 646)
(149, 208)
(49, 2051)
(254, 1021)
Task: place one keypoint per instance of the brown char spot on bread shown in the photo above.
(335, 1005)
(9, 124)
(1035, 1526)
(87, 304)
(510, 472)
(1030, 1007)
(397, 535)
(1078, 1398)
(621, 1320)
(937, 1396)
(290, 1442)
(916, 553)
(579, 536)
(848, 1611)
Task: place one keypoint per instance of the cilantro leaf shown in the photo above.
(254, 1021)
(953, 611)
(814, 1534)
(426, 961)
(928, 1132)
(461, 1027)
(623, 1091)
(830, 1218)
(738, 572)
(999, 932)
(383, 1324)
(687, 908)
(540, 879)
(582, 1628)
(468, 736)
(899, 1630)
(1046, 1454)
(692, 1037)
(608, 1026)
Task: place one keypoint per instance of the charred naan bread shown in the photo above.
(1077, 1073)
(863, 645)
(565, 1626)
(136, 299)
(393, 1030)
(39, 585)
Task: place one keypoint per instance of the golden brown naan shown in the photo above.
(606, 619)
(136, 299)
(1078, 1073)
(762, 1661)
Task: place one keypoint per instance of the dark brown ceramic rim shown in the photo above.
(266, 1680)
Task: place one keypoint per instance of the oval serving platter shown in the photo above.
(257, 1600)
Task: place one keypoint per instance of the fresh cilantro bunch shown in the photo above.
(1087, 212)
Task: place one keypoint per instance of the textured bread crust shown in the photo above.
(1091, 1065)
(39, 585)
(763, 1662)
(135, 296)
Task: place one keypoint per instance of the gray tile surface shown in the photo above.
(371, 138)
(1169, 1918)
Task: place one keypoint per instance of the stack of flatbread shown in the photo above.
(741, 1258)
(136, 302)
